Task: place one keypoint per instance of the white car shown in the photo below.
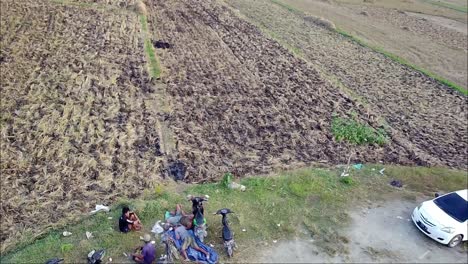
(444, 218)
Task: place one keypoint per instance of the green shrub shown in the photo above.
(347, 180)
(357, 133)
(227, 179)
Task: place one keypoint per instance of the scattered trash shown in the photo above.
(373, 169)
(125, 254)
(100, 207)
(278, 225)
(236, 186)
(243, 230)
(396, 183)
(110, 217)
(89, 235)
(211, 245)
(110, 259)
(344, 174)
(66, 233)
(358, 166)
(399, 217)
(157, 228)
(153, 242)
(274, 241)
(382, 171)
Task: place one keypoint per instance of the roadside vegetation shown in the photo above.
(309, 203)
(455, 7)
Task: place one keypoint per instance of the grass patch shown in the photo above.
(354, 132)
(405, 62)
(307, 203)
(154, 68)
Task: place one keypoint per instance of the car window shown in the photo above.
(453, 205)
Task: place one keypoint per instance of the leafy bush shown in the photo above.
(357, 133)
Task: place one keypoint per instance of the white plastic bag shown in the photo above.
(100, 207)
(157, 228)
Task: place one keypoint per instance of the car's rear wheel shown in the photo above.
(456, 240)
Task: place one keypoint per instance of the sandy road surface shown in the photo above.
(381, 232)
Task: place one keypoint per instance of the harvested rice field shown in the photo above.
(85, 121)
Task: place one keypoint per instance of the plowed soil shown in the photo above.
(242, 103)
(430, 116)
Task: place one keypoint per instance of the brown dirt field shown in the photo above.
(82, 123)
(242, 103)
(78, 119)
(431, 116)
(424, 42)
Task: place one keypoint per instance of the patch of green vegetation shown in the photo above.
(154, 68)
(281, 206)
(449, 6)
(354, 132)
(287, 7)
(405, 62)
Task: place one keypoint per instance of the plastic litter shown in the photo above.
(157, 228)
(399, 217)
(110, 217)
(100, 207)
(274, 241)
(243, 230)
(89, 235)
(396, 183)
(358, 166)
(66, 233)
(110, 259)
(236, 186)
(382, 171)
(278, 225)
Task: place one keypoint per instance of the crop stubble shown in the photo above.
(430, 116)
(78, 118)
(244, 104)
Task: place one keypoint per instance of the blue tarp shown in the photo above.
(193, 254)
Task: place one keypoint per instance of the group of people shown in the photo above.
(177, 219)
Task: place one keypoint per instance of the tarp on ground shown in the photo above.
(193, 254)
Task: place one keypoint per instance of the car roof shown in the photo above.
(463, 194)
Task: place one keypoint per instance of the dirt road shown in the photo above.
(381, 232)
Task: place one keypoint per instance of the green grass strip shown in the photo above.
(449, 6)
(154, 67)
(405, 62)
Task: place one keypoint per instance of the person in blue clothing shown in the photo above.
(148, 252)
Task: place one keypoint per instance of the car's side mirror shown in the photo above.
(436, 195)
